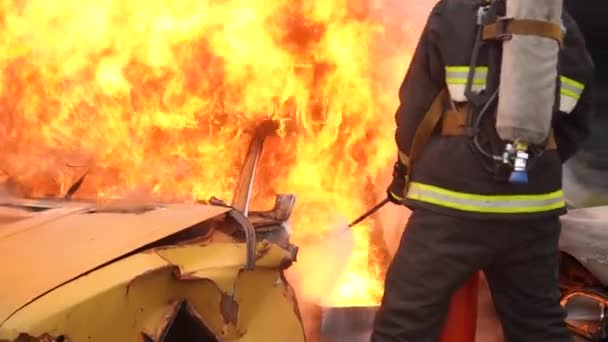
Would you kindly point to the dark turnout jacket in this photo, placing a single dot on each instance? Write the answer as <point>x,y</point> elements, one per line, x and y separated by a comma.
<point>448,175</point>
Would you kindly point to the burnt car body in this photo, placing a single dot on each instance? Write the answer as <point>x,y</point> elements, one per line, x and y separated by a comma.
<point>77,271</point>
<point>584,272</point>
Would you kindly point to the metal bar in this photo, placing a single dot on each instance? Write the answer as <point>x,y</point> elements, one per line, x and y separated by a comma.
<point>244,187</point>
<point>369,213</point>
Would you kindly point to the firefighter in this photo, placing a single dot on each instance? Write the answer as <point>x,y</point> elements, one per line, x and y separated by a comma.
<point>468,213</point>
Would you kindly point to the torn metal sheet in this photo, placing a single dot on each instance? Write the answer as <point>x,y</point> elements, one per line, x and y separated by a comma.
<point>153,295</point>
<point>50,249</point>
<point>584,236</point>
<point>182,323</point>
<point>186,325</point>
<point>229,308</point>
<point>168,313</point>
<point>222,262</point>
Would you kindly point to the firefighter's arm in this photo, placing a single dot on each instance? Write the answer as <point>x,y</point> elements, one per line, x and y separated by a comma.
<point>423,81</point>
<point>572,124</point>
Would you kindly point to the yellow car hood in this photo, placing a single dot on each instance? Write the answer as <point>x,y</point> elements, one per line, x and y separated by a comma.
<point>52,243</point>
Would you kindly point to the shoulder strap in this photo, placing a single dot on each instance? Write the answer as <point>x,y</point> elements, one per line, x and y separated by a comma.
<point>425,128</point>
<point>504,28</point>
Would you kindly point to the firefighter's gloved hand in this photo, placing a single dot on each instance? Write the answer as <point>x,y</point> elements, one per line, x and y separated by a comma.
<point>396,190</point>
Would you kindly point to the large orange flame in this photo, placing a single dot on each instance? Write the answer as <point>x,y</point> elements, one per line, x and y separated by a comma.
<point>159,94</point>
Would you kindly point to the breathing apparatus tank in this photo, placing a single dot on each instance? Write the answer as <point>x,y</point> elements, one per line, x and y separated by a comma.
<point>528,82</point>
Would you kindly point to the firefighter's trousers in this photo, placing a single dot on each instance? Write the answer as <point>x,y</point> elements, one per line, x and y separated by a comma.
<point>438,253</point>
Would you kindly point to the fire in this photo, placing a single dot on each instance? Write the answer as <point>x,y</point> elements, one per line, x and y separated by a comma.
<point>158,96</point>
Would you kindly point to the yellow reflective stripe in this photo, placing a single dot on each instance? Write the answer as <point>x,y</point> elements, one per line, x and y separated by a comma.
<point>476,81</point>
<point>572,82</point>
<point>571,88</point>
<point>500,204</point>
<point>464,195</point>
<point>569,93</point>
<point>465,68</point>
<point>458,75</point>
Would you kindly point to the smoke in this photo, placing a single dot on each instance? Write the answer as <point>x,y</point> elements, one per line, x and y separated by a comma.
<point>321,264</point>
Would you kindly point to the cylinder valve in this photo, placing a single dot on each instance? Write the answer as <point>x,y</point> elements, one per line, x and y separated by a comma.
<point>517,155</point>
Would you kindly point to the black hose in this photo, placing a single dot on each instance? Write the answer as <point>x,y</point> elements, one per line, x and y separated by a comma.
<point>485,108</point>
<point>468,90</point>
<point>480,116</point>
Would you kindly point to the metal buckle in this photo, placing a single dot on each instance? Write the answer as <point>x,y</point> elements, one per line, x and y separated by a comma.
<point>502,24</point>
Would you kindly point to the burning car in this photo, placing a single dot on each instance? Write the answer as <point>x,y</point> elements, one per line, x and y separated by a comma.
<point>78,271</point>
<point>157,97</point>
<point>100,98</point>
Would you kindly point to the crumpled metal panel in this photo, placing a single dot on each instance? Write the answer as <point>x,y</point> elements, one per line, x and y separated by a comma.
<point>584,235</point>
<point>61,244</point>
<point>136,297</point>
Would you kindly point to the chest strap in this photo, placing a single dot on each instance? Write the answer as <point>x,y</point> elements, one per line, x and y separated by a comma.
<point>505,28</point>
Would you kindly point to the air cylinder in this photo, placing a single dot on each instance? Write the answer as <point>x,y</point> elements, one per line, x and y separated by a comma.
<point>528,76</point>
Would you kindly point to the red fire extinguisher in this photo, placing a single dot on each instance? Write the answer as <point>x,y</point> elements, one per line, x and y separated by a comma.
<point>461,321</point>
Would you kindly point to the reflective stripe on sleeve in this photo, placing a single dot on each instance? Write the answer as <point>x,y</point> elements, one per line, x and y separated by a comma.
<point>570,93</point>
<point>456,79</point>
<point>498,204</point>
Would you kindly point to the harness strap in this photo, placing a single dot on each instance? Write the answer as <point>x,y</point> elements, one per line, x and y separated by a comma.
<point>427,125</point>
<point>454,124</point>
<point>424,131</point>
<point>504,28</point>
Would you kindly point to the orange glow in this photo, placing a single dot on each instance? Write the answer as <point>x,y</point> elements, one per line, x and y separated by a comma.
<point>156,97</point>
